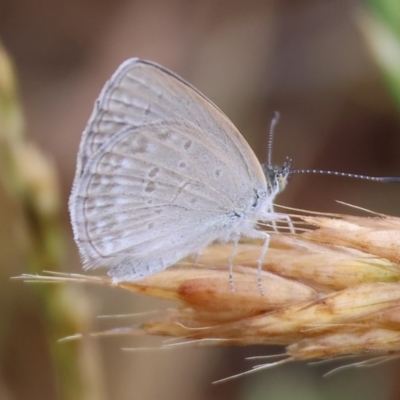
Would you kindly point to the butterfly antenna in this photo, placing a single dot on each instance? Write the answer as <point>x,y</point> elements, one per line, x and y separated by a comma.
<point>392,179</point>
<point>274,121</point>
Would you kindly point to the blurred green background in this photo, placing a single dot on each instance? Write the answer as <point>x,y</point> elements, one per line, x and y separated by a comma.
<point>332,69</point>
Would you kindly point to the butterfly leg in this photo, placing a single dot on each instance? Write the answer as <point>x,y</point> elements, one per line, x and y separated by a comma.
<point>273,223</point>
<point>281,217</point>
<point>197,259</point>
<point>288,221</point>
<point>264,249</point>
<point>256,234</point>
<point>274,227</point>
<point>235,238</point>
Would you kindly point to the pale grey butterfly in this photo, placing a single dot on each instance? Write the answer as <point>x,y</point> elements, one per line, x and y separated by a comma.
<point>162,173</point>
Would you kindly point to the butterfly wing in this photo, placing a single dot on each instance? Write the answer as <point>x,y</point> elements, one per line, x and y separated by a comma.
<point>160,173</point>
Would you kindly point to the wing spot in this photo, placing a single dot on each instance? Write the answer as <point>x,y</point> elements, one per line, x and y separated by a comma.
<point>218,173</point>
<point>153,172</point>
<point>139,146</point>
<point>188,144</point>
<point>150,187</point>
<point>164,135</point>
<point>182,164</point>
<point>147,110</point>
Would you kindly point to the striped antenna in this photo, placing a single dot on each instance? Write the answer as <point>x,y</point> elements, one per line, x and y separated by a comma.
<point>274,121</point>
<point>392,179</point>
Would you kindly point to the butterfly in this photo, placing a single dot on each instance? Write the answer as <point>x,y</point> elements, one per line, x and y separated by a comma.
<point>162,173</point>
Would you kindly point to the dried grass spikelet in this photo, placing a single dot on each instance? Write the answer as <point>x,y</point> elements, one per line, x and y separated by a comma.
<point>329,291</point>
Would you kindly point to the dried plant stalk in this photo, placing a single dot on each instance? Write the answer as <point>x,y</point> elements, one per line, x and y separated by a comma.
<point>329,291</point>
<point>30,183</point>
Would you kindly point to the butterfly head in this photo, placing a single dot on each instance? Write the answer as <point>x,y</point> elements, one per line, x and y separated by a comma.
<point>277,178</point>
